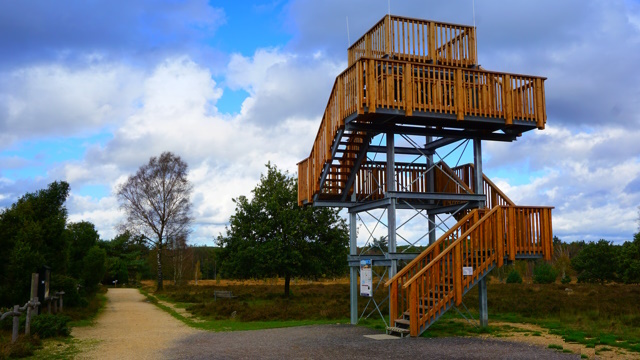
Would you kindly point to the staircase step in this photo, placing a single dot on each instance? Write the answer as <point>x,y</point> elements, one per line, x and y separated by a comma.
<point>400,331</point>
<point>402,322</point>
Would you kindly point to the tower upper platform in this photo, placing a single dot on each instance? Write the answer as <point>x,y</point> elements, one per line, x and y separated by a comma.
<point>413,77</point>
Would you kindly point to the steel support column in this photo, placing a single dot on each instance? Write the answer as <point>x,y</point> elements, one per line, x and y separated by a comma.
<point>353,271</point>
<point>479,189</point>
<point>431,189</point>
<point>391,212</point>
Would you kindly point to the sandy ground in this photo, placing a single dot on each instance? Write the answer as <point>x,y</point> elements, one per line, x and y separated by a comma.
<point>546,338</point>
<point>130,328</point>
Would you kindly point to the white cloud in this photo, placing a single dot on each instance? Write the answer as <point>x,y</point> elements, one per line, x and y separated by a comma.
<point>226,154</point>
<point>45,100</point>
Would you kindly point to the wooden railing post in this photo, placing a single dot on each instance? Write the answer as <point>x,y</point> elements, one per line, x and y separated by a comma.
<point>413,310</point>
<point>472,47</point>
<point>408,89</point>
<point>507,97</point>
<point>500,236</point>
<point>511,238</point>
<point>457,268</point>
<point>459,86</point>
<point>393,300</point>
<point>359,89</point>
<point>388,47</point>
<point>539,104</point>
<point>372,86</point>
<point>432,43</point>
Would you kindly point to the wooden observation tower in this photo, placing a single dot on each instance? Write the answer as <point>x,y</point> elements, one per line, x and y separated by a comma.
<point>412,90</point>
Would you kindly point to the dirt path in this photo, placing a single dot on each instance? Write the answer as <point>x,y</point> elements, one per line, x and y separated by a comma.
<point>130,328</point>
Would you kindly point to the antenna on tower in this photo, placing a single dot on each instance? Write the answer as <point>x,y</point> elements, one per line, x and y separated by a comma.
<point>473,2</point>
<point>348,37</point>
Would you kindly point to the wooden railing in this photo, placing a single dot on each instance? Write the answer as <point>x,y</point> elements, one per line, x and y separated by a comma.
<point>416,40</point>
<point>504,231</point>
<point>369,84</point>
<point>422,260</point>
<point>495,196</point>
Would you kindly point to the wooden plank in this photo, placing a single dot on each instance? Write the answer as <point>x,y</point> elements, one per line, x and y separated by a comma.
<point>459,94</point>
<point>413,310</point>
<point>457,268</point>
<point>507,97</point>
<point>409,92</point>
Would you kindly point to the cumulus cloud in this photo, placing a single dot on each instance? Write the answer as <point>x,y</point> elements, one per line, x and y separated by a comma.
<point>50,100</point>
<point>177,112</point>
<point>282,85</point>
<point>137,75</point>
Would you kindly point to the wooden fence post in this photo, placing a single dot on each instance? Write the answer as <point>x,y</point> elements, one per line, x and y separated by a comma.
<point>16,323</point>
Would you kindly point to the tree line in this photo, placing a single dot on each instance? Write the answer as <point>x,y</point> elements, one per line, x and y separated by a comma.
<point>268,235</point>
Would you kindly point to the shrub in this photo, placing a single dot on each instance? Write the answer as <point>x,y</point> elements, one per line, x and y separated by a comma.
<point>544,273</point>
<point>514,277</point>
<point>596,262</point>
<point>566,279</point>
<point>69,285</point>
<point>47,325</point>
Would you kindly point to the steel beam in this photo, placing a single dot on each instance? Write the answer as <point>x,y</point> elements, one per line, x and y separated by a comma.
<point>399,150</point>
<point>418,130</point>
<point>433,145</point>
<point>434,196</point>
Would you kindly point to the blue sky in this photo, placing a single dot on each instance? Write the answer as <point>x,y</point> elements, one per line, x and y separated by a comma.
<point>90,90</point>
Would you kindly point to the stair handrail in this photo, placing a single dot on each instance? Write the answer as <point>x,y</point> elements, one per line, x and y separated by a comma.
<point>493,233</point>
<point>491,184</point>
<point>430,248</point>
<point>451,246</point>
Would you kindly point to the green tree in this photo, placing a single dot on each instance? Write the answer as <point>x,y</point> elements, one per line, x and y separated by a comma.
<point>629,261</point>
<point>32,235</point>
<point>544,273</point>
<point>270,235</point>
<point>126,258</point>
<point>94,267</point>
<point>81,237</point>
<point>156,200</point>
<point>596,262</point>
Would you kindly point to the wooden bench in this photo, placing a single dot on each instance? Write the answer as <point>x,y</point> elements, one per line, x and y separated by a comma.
<point>222,294</point>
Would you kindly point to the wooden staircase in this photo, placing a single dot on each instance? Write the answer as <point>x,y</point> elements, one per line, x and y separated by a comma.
<point>482,239</point>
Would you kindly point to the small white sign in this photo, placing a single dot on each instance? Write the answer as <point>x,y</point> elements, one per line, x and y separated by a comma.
<point>467,270</point>
<point>366,278</point>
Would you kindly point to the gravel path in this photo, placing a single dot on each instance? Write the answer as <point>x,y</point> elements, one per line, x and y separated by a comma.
<point>347,342</point>
<point>130,328</point>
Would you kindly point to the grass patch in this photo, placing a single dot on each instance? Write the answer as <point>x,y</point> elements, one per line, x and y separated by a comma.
<point>555,346</point>
<point>233,324</point>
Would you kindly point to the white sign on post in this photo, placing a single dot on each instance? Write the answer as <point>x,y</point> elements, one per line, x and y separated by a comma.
<point>467,271</point>
<point>366,278</point>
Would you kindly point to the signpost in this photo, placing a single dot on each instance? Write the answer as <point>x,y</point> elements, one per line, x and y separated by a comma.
<point>366,278</point>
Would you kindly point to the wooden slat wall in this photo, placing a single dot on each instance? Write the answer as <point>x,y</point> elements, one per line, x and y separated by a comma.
<point>418,41</point>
